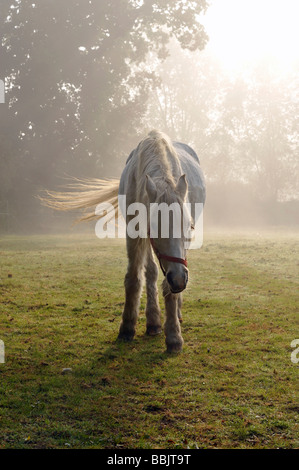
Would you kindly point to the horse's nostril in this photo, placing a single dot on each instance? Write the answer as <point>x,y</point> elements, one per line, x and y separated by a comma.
<point>169,278</point>
<point>177,283</point>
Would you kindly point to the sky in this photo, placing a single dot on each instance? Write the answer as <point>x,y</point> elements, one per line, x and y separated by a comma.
<point>242,31</point>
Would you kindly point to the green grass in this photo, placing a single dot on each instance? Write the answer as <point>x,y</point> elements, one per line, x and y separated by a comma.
<point>233,386</point>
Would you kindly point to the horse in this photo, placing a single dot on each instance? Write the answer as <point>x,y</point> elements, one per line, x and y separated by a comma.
<point>157,171</point>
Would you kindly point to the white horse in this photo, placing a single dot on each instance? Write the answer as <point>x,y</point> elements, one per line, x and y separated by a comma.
<point>157,171</point>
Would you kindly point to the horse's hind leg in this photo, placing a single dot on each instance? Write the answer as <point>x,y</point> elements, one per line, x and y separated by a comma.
<point>152,312</point>
<point>133,288</point>
<point>172,328</point>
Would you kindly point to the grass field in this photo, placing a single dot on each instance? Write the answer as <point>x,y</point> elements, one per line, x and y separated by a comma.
<point>233,386</point>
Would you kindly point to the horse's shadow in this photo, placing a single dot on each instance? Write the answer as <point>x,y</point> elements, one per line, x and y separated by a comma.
<point>131,358</point>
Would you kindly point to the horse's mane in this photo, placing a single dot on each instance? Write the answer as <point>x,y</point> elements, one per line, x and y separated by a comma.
<point>156,156</point>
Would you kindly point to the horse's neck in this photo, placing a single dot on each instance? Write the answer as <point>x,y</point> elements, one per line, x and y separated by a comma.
<point>163,167</point>
<point>168,167</point>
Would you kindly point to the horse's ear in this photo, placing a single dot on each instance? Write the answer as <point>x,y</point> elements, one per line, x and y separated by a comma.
<point>151,189</point>
<point>182,186</point>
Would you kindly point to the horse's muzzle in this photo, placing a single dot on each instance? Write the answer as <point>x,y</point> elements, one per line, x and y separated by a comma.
<point>177,282</point>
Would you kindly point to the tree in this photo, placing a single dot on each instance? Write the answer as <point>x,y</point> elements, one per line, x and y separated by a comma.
<point>76,80</point>
<point>244,128</point>
<point>258,115</point>
<point>186,95</point>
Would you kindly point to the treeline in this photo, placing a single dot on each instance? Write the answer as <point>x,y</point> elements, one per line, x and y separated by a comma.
<point>245,129</point>
<point>86,80</point>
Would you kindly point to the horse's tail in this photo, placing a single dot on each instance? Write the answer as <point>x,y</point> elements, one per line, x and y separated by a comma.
<point>86,193</point>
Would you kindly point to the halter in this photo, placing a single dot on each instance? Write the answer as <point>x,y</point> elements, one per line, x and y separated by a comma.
<point>160,256</point>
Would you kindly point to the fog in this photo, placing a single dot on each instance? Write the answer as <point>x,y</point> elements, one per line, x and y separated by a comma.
<point>84,82</point>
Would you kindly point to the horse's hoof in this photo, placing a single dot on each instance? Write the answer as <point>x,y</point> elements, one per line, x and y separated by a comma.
<point>153,330</point>
<point>126,335</point>
<point>123,337</point>
<point>174,348</point>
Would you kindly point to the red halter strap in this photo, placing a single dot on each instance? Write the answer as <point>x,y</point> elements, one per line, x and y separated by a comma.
<point>168,258</point>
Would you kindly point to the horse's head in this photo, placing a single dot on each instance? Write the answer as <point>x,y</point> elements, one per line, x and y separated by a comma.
<point>169,226</point>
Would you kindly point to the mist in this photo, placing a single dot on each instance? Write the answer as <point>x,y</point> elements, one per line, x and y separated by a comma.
<point>83,85</point>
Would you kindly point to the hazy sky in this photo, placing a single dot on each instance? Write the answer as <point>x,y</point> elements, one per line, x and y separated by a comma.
<point>244,30</point>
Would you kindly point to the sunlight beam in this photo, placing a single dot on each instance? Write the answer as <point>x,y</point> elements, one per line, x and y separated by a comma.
<point>242,31</point>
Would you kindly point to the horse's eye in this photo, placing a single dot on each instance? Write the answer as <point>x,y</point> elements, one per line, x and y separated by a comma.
<point>192,227</point>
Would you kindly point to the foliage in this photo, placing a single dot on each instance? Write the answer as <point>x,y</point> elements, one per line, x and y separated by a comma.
<point>74,89</point>
<point>244,128</point>
<point>86,81</point>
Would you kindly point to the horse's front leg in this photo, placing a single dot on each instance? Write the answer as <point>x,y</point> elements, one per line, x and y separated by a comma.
<point>172,328</point>
<point>133,289</point>
<point>180,303</point>
<point>152,311</point>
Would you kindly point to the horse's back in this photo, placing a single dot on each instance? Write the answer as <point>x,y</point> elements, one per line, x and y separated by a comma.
<point>186,149</point>
<point>180,147</point>
<point>190,166</point>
